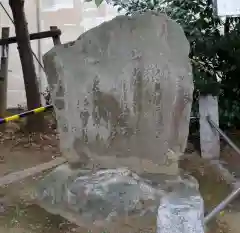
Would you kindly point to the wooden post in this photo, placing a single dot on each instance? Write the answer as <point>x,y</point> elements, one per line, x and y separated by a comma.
<point>35,122</point>
<point>209,137</point>
<point>32,36</point>
<point>4,73</point>
<point>56,39</point>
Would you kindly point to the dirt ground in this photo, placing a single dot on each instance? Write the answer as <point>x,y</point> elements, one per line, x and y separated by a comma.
<point>19,215</point>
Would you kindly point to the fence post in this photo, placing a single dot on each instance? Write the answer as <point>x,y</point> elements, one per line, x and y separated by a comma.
<point>209,137</point>
<point>56,39</point>
<point>4,73</point>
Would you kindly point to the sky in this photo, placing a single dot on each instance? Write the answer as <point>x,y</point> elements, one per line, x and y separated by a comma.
<point>228,7</point>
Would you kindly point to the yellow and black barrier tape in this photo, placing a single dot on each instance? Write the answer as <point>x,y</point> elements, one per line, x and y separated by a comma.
<point>25,114</point>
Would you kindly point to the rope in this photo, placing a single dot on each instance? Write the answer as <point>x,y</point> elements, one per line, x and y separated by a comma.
<point>24,114</point>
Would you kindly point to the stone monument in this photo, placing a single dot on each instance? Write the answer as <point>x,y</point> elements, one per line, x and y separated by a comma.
<point>122,93</point>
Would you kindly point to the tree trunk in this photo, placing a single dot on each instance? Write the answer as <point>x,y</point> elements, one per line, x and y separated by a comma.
<point>227,26</point>
<point>29,74</point>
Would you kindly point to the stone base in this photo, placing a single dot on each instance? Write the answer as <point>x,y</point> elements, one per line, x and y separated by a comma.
<point>138,165</point>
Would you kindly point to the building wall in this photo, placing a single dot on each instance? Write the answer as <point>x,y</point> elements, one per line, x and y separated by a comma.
<point>73,20</point>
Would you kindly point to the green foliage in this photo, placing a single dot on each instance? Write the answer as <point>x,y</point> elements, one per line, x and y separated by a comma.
<point>132,6</point>
<point>98,2</point>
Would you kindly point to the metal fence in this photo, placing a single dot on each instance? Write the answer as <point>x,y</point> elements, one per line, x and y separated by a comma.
<point>236,192</point>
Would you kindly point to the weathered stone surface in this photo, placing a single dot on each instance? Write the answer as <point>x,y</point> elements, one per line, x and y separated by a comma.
<point>99,198</point>
<point>125,91</point>
<point>112,198</point>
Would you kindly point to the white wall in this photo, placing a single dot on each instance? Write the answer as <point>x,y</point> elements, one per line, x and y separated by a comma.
<point>77,17</point>
<point>228,7</point>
